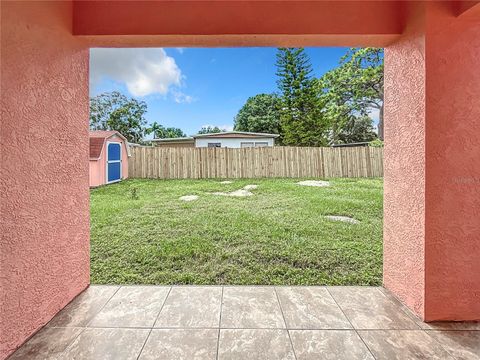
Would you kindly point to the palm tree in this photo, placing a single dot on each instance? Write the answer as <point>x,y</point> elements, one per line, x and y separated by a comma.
<point>157,130</point>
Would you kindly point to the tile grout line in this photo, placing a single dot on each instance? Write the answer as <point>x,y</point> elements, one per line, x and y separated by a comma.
<point>250,328</point>
<point>103,307</point>
<point>154,322</point>
<point>73,340</point>
<point>161,308</point>
<point>353,327</point>
<point>86,325</point>
<point>219,324</point>
<point>156,318</point>
<point>441,345</point>
<point>402,307</point>
<point>285,321</point>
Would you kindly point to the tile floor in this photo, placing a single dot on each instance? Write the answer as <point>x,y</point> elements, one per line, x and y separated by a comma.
<point>246,323</point>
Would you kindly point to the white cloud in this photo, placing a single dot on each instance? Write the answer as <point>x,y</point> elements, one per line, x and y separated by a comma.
<point>180,50</point>
<point>181,98</point>
<point>223,127</point>
<point>144,71</point>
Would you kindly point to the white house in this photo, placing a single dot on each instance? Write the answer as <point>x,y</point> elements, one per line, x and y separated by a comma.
<point>230,139</point>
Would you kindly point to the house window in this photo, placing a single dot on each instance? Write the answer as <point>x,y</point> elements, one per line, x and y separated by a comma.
<point>214,144</point>
<point>261,144</point>
<point>246,144</point>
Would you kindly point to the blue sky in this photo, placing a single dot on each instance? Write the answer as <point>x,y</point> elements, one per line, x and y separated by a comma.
<point>193,87</point>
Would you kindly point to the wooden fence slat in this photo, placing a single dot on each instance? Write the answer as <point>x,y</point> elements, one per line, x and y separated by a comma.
<point>268,162</point>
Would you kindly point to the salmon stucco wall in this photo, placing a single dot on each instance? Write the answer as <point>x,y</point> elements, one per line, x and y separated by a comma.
<point>404,167</point>
<point>97,168</point>
<point>452,218</point>
<point>432,169</point>
<point>44,249</point>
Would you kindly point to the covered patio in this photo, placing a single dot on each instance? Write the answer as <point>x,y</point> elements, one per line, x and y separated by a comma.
<point>245,322</point>
<point>431,185</point>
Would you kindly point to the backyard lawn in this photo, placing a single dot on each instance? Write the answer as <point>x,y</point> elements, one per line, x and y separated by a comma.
<point>141,233</point>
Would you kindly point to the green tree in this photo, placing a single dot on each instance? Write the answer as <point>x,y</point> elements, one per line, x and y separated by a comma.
<point>210,130</point>
<point>261,113</point>
<point>161,132</point>
<point>357,129</point>
<point>114,111</point>
<point>354,88</point>
<point>301,120</point>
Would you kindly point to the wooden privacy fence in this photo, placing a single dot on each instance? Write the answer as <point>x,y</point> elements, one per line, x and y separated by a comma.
<point>279,161</point>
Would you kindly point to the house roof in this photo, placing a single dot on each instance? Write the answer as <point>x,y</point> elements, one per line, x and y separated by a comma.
<point>225,134</point>
<point>179,139</point>
<point>236,134</point>
<point>97,140</point>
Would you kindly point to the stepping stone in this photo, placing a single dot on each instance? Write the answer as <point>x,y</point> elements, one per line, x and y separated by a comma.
<point>226,182</point>
<point>188,198</point>
<point>236,193</point>
<point>343,219</point>
<point>317,183</point>
<point>240,193</point>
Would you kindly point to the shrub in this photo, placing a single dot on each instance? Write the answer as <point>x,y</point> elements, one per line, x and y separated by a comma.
<point>376,143</point>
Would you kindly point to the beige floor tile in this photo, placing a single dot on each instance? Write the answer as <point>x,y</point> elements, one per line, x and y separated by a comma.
<point>310,308</point>
<point>101,322</point>
<point>329,345</point>
<point>181,344</point>
<point>251,307</point>
<point>84,307</point>
<point>370,308</point>
<point>403,344</point>
<point>464,345</point>
<point>107,344</point>
<point>191,306</point>
<point>254,344</point>
<point>48,343</point>
<point>132,306</point>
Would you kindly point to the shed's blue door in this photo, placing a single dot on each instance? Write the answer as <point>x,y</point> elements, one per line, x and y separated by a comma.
<point>114,162</point>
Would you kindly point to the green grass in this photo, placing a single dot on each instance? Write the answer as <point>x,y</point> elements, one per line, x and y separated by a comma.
<point>277,236</point>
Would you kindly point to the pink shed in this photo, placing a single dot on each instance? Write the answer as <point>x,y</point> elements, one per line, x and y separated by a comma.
<point>108,157</point>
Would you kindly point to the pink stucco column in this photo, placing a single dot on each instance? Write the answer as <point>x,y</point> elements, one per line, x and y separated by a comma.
<point>44,248</point>
<point>432,169</point>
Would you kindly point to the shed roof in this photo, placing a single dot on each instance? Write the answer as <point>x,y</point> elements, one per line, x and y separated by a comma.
<point>104,133</point>
<point>96,146</point>
<point>97,140</point>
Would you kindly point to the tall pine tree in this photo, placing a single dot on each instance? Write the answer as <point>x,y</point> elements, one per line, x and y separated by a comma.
<point>301,119</point>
